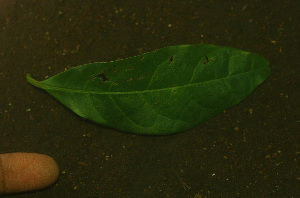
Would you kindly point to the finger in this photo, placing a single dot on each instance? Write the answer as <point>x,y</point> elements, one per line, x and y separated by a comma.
<point>21,172</point>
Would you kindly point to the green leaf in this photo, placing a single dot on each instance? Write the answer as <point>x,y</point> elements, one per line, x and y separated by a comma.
<point>162,92</point>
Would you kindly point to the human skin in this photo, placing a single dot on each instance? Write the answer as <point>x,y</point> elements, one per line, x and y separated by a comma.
<point>21,172</point>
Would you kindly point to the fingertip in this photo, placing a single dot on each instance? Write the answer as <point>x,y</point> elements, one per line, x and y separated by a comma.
<point>26,171</point>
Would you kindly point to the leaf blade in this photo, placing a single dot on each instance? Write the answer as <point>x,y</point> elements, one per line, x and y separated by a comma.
<point>166,91</point>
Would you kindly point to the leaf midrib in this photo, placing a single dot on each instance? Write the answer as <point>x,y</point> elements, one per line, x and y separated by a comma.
<point>41,85</point>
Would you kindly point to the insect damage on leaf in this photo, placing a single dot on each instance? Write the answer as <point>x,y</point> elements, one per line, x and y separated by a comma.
<point>207,60</point>
<point>171,59</point>
<point>102,76</point>
<point>155,95</point>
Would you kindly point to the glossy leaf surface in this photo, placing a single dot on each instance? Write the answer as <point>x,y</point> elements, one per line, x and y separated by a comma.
<point>166,91</point>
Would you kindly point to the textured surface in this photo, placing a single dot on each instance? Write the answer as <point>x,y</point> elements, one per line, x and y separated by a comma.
<point>250,150</point>
<point>162,92</point>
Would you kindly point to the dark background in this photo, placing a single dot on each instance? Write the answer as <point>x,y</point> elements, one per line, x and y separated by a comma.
<point>250,150</point>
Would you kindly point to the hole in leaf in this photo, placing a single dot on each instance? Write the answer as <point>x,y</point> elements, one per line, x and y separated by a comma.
<point>207,60</point>
<point>171,59</point>
<point>102,76</point>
